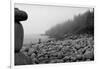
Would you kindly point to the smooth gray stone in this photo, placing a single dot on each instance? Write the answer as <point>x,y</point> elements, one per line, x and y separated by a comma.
<point>21,59</point>
<point>19,35</point>
<point>20,15</point>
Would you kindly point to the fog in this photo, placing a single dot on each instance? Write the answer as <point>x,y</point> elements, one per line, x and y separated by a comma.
<point>42,18</point>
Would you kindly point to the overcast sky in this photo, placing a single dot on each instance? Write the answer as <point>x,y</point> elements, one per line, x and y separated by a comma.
<point>42,18</point>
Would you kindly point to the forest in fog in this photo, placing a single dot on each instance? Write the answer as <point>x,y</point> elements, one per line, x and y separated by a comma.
<point>80,24</point>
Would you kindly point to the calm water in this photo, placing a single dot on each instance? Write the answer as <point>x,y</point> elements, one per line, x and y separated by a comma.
<point>29,39</point>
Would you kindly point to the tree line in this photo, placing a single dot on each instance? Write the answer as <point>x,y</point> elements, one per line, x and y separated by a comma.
<point>80,24</point>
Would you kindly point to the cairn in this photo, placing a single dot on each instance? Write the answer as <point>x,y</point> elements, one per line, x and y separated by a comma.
<point>20,58</point>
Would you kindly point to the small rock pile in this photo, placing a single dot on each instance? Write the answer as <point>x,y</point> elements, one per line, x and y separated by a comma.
<point>61,51</point>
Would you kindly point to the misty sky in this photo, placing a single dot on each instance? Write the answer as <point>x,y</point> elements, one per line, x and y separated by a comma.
<point>42,18</point>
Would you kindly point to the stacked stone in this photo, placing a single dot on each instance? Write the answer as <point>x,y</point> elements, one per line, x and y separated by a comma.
<point>20,59</point>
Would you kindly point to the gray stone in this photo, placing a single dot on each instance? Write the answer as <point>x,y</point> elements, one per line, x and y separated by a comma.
<point>20,15</point>
<point>20,59</point>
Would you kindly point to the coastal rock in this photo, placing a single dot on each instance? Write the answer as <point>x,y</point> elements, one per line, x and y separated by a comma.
<point>20,15</point>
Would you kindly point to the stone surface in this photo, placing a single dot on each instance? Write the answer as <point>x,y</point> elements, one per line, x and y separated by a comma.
<point>21,59</point>
<point>19,34</point>
<point>20,15</point>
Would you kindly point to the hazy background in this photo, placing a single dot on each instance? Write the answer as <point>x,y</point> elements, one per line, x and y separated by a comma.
<point>41,18</point>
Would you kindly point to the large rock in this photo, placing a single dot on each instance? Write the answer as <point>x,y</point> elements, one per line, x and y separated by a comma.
<point>21,59</point>
<point>19,34</point>
<point>20,15</point>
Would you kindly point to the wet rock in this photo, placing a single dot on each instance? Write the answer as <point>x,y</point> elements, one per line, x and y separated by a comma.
<point>33,55</point>
<point>31,50</point>
<point>19,34</point>
<point>89,55</point>
<point>20,15</point>
<point>21,59</point>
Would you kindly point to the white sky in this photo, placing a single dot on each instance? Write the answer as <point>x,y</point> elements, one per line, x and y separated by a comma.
<point>42,18</point>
